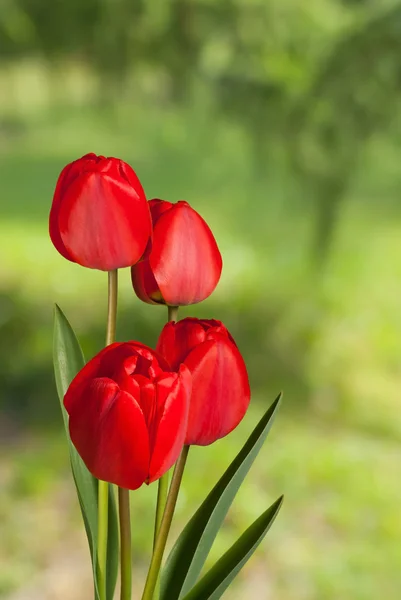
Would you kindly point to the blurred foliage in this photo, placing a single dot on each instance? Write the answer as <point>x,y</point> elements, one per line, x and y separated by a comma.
<point>279,120</point>
<point>310,80</point>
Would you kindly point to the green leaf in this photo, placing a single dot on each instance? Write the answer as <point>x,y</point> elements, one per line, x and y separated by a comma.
<point>191,549</point>
<point>67,357</point>
<point>68,360</point>
<point>213,585</point>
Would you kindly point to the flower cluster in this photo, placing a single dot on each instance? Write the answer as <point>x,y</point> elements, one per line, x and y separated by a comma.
<point>131,408</point>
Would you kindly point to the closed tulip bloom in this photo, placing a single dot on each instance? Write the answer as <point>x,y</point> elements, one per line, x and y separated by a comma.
<point>100,217</point>
<point>128,414</point>
<point>184,265</point>
<point>220,386</point>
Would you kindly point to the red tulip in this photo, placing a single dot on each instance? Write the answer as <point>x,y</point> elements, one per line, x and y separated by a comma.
<point>128,414</point>
<point>220,386</point>
<point>184,265</point>
<point>99,217</point>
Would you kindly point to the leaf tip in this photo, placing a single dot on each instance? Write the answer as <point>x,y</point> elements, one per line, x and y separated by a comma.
<point>276,506</point>
<point>277,402</point>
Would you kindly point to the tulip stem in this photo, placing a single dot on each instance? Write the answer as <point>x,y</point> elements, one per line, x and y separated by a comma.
<point>103,509</point>
<point>165,525</point>
<point>172,313</point>
<point>112,307</point>
<point>162,492</point>
<point>161,503</point>
<point>103,490</point>
<point>125,543</point>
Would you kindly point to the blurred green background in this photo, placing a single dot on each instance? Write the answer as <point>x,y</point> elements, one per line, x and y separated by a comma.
<point>280,122</point>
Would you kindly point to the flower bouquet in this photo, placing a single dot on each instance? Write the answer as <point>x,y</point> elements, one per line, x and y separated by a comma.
<point>132,413</point>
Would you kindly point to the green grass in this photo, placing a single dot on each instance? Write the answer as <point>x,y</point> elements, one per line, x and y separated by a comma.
<point>330,337</point>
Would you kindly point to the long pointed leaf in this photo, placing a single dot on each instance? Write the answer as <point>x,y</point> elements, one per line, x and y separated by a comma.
<point>191,549</point>
<point>68,360</point>
<point>213,585</point>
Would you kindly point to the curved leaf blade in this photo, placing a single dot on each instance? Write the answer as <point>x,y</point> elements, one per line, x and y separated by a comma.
<point>68,359</point>
<point>213,585</point>
<point>192,547</point>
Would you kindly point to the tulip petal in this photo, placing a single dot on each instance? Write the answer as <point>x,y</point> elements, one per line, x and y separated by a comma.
<point>108,429</point>
<point>185,259</point>
<point>178,339</point>
<point>104,222</point>
<point>221,392</point>
<point>157,208</point>
<point>143,280</point>
<point>156,364</point>
<point>92,369</point>
<point>145,284</point>
<point>55,209</point>
<point>117,361</point>
<point>147,402</point>
<point>211,325</point>
<point>129,174</point>
<point>172,398</point>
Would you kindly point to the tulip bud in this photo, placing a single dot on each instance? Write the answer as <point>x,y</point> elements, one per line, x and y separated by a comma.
<point>184,265</point>
<point>220,386</point>
<point>128,414</point>
<point>99,217</point>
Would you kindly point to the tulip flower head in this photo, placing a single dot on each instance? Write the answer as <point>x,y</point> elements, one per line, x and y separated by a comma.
<point>220,386</point>
<point>99,217</point>
<point>184,265</point>
<point>128,414</point>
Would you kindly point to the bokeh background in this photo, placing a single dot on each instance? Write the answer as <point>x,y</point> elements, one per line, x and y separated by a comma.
<point>280,122</point>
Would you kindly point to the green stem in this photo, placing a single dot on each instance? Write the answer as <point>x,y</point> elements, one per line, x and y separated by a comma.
<point>103,490</point>
<point>125,543</point>
<point>103,510</point>
<point>162,492</point>
<point>172,313</point>
<point>123,494</point>
<point>161,503</point>
<point>112,307</point>
<point>165,525</point>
